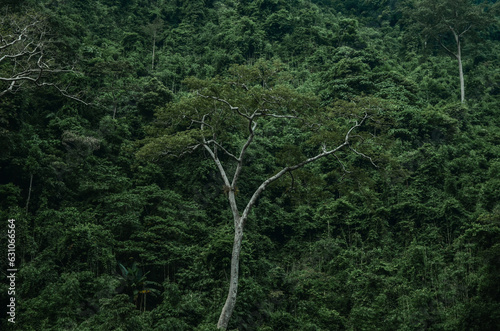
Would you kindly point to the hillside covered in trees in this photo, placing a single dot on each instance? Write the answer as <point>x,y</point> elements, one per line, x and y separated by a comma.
<point>351,147</point>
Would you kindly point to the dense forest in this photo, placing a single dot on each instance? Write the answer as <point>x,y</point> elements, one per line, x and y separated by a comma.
<point>364,137</point>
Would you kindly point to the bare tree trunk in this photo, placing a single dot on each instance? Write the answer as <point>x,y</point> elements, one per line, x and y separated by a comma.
<point>228,308</point>
<point>153,57</point>
<point>29,193</point>
<point>458,56</point>
<point>239,222</point>
<point>114,103</point>
<point>461,72</point>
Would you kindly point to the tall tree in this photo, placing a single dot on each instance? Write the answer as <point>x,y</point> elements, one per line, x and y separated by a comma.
<point>153,29</point>
<point>224,118</point>
<point>448,22</point>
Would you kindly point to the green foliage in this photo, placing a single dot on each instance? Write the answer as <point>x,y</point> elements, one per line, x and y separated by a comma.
<point>219,108</point>
<point>136,284</point>
<point>435,20</point>
<point>116,313</point>
<point>411,244</point>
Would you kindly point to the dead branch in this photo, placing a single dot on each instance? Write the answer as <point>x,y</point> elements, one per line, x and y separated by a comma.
<point>24,52</point>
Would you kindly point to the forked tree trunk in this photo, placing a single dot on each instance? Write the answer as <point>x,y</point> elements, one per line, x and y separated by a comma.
<point>239,223</point>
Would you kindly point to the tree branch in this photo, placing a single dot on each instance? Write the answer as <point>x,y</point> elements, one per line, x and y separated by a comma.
<point>251,127</point>
<point>212,141</point>
<point>324,153</point>
<point>24,53</point>
<point>446,48</point>
<point>264,114</point>
<point>224,101</point>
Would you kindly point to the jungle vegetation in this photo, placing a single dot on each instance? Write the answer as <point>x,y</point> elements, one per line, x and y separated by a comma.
<point>251,165</point>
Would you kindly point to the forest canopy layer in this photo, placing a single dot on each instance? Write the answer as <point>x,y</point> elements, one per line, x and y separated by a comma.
<point>356,142</point>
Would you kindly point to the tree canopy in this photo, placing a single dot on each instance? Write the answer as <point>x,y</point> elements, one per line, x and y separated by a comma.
<point>319,151</point>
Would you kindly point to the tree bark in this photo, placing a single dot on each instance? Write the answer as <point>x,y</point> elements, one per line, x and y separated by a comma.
<point>29,193</point>
<point>153,56</point>
<point>458,56</point>
<point>461,72</point>
<point>228,308</point>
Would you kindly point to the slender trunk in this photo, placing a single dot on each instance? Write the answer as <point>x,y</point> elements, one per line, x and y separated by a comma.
<point>461,72</point>
<point>228,308</point>
<point>458,56</point>
<point>153,57</point>
<point>459,59</point>
<point>239,222</point>
<point>29,193</point>
<point>115,106</point>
